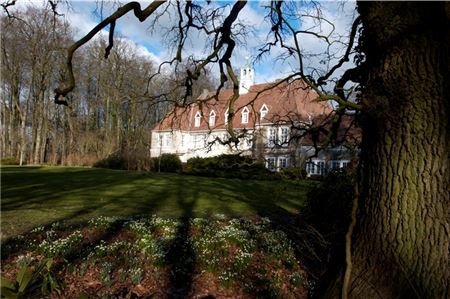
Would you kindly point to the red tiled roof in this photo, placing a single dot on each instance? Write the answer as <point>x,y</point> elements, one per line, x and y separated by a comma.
<point>285,102</point>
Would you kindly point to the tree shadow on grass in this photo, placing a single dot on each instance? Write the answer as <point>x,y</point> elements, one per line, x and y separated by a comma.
<point>78,218</point>
<point>181,257</point>
<point>175,192</point>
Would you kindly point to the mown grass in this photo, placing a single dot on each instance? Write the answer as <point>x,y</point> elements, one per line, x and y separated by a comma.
<point>36,196</point>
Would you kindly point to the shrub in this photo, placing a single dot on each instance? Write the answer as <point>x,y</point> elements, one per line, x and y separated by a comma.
<point>113,161</point>
<point>329,203</point>
<point>9,161</point>
<point>293,173</point>
<point>166,163</point>
<point>327,216</point>
<point>137,159</point>
<point>228,166</point>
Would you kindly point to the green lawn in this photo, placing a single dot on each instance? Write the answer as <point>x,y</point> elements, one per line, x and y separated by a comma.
<point>34,196</point>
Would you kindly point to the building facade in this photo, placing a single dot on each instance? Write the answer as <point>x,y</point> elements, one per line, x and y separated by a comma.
<point>266,118</point>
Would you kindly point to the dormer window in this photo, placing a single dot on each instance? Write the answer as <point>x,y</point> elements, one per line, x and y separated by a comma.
<point>245,116</point>
<point>212,118</point>
<point>263,111</point>
<point>198,118</point>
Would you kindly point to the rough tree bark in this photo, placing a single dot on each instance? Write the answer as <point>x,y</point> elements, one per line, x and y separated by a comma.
<point>401,247</point>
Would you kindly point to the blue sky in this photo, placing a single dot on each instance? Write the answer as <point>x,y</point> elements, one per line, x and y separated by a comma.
<point>152,44</point>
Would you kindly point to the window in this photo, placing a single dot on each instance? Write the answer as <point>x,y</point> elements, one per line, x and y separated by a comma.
<point>197,119</point>
<point>249,141</point>
<point>212,118</point>
<point>198,141</point>
<point>245,116</point>
<point>168,138</point>
<point>272,136</point>
<point>224,137</point>
<point>282,162</point>
<point>335,164</point>
<point>226,116</point>
<point>284,136</point>
<point>316,167</point>
<point>271,164</point>
<point>159,139</point>
<point>310,168</point>
<point>321,167</point>
<point>263,111</point>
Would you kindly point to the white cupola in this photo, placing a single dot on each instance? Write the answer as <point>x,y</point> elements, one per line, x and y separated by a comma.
<point>247,78</point>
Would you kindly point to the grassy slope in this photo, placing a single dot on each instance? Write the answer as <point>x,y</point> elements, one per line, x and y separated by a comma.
<point>33,196</point>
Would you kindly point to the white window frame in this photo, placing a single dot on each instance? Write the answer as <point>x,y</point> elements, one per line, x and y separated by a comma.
<point>263,111</point>
<point>199,140</point>
<point>339,164</point>
<point>249,141</point>
<point>183,139</point>
<point>212,118</point>
<point>160,140</point>
<point>316,167</point>
<point>224,137</point>
<point>284,138</point>
<point>244,115</point>
<point>168,140</point>
<point>198,118</point>
<point>271,163</point>
<point>310,168</point>
<point>272,136</point>
<point>280,159</point>
<point>345,163</point>
<point>335,164</point>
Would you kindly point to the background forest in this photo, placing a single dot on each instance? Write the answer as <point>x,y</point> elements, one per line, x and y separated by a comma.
<point>111,111</point>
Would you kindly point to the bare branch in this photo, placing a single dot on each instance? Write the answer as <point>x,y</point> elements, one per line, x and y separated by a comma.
<point>345,58</point>
<point>110,39</point>
<point>142,15</point>
<point>7,4</point>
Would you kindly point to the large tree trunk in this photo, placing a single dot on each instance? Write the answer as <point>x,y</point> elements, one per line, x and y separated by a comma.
<point>401,245</point>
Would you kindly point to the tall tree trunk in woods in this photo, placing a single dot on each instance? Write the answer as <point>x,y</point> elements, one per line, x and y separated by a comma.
<point>402,237</point>
<point>23,139</point>
<point>39,117</point>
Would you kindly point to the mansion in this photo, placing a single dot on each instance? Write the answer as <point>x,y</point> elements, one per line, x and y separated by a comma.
<point>266,119</point>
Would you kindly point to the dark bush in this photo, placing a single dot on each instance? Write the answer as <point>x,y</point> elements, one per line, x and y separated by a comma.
<point>113,161</point>
<point>293,173</point>
<point>329,203</point>
<point>9,161</point>
<point>137,159</point>
<point>327,214</point>
<point>229,166</point>
<point>166,163</point>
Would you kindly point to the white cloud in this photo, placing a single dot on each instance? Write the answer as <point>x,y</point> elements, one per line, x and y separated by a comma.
<point>153,44</point>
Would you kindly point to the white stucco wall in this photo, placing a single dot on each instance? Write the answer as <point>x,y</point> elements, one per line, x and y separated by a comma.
<point>192,144</point>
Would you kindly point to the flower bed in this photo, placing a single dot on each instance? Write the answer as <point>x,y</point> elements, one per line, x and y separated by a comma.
<point>164,258</point>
